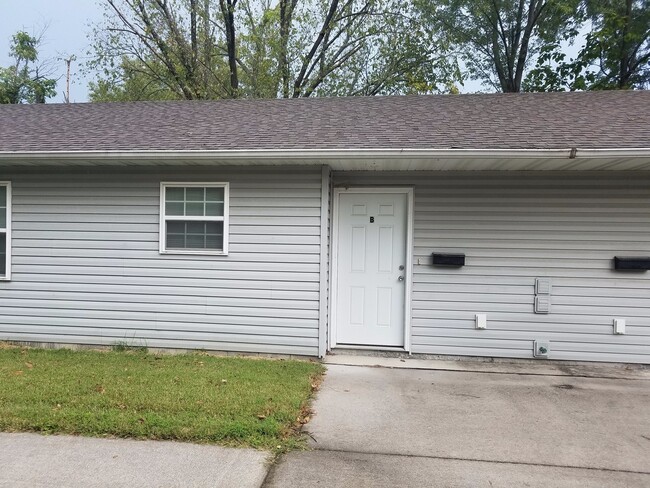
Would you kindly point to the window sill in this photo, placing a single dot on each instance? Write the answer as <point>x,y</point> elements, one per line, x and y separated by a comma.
<point>196,253</point>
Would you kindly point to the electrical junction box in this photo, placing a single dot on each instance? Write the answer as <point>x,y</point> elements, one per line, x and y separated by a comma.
<point>541,349</point>
<point>481,321</point>
<point>542,295</point>
<point>542,286</point>
<point>619,326</point>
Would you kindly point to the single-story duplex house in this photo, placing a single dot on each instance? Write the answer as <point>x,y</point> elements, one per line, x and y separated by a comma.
<point>500,225</point>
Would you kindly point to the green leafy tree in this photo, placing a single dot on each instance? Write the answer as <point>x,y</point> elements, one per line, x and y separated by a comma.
<point>554,72</point>
<point>167,46</point>
<point>615,55</point>
<point>206,49</point>
<point>499,39</point>
<point>400,54</point>
<point>24,81</point>
<point>619,43</point>
<point>132,81</point>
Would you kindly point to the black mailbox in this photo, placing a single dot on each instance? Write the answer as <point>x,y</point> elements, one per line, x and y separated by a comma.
<point>630,263</point>
<point>451,260</point>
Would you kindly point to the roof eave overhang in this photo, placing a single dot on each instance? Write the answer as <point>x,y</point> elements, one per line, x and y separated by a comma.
<point>307,154</point>
<point>339,158</point>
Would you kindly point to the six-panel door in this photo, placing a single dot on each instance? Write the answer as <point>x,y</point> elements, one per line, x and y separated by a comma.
<point>371,274</point>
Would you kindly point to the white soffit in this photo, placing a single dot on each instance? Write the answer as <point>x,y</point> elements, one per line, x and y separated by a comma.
<point>354,159</point>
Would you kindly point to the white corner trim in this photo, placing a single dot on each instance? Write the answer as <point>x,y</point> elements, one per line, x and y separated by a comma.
<point>324,271</point>
<point>408,302</point>
<point>8,240</point>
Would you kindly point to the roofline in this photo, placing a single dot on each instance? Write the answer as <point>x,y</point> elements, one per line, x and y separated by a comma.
<point>320,154</point>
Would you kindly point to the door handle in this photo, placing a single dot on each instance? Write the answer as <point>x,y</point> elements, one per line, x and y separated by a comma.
<point>400,278</point>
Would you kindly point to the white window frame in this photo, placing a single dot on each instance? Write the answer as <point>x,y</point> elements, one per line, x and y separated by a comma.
<point>200,218</point>
<point>7,231</point>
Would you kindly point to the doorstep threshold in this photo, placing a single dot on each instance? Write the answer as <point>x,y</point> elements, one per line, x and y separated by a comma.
<point>369,348</point>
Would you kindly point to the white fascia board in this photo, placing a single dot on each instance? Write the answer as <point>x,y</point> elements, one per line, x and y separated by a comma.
<point>613,153</point>
<point>309,155</point>
<point>300,154</point>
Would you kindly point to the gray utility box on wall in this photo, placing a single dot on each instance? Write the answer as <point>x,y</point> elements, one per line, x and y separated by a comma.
<point>541,349</point>
<point>542,304</point>
<point>543,295</point>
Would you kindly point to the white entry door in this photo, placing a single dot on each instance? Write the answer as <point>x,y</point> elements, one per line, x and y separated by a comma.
<point>371,268</point>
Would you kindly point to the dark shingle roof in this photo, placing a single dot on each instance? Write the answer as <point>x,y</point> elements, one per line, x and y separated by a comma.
<point>590,120</point>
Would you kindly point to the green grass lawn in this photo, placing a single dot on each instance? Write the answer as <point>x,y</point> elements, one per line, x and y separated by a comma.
<point>189,397</point>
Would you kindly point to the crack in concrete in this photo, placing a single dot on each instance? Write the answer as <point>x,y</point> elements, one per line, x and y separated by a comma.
<point>476,460</point>
<point>515,373</point>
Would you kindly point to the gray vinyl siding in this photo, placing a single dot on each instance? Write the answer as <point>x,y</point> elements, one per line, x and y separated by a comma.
<point>87,267</point>
<point>514,227</point>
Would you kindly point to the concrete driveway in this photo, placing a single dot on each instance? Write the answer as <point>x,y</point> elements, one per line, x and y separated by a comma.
<point>385,427</point>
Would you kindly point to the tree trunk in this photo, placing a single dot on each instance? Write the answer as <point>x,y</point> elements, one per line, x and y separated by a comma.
<point>298,84</point>
<point>286,16</point>
<point>624,54</point>
<point>534,10</point>
<point>194,55</point>
<point>207,46</point>
<point>228,12</point>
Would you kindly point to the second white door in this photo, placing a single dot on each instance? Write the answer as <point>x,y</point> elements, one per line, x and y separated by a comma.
<point>371,268</point>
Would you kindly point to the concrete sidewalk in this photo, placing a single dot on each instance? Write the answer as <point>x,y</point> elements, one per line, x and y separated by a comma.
<point>403,427</point>
<point>36,461</point>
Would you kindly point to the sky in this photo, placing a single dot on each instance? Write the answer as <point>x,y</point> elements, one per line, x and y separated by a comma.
<point>66,24</point>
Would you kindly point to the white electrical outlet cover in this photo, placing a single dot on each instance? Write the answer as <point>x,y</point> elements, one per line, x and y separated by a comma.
<point>619,326</point>
<point>481,321</point>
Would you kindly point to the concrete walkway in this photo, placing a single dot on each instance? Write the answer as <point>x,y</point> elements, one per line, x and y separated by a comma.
<point>457,425</point>
<point>379,427</point>
<point>35,461</point>
<point>522,367</point>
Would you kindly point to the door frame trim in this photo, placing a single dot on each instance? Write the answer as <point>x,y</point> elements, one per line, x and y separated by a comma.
<point>408,277</point>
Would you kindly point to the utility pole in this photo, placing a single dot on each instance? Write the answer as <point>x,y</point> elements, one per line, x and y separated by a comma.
<point>68,62</point>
